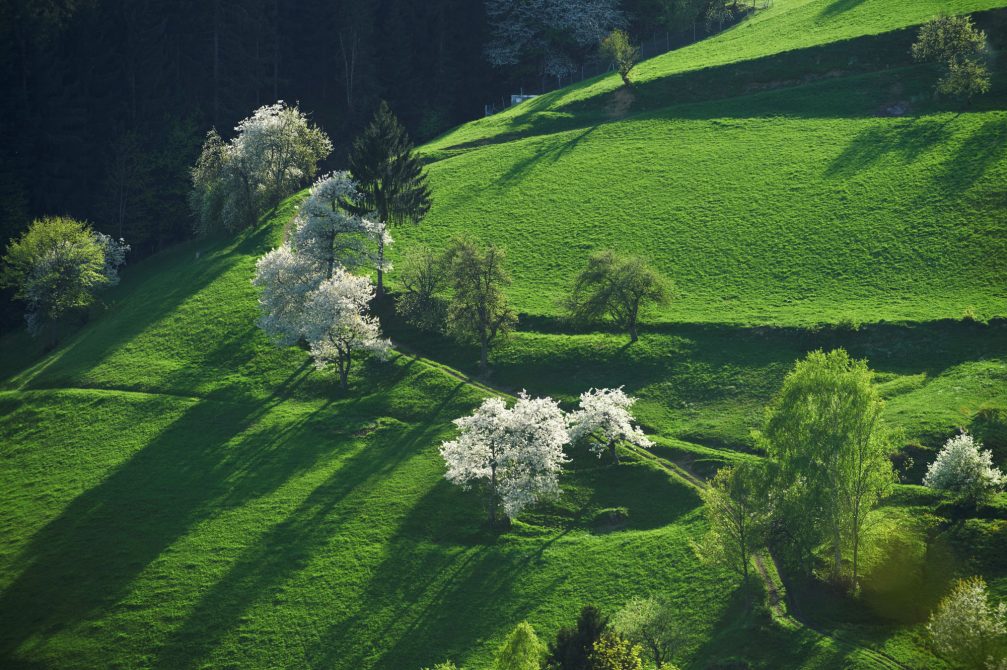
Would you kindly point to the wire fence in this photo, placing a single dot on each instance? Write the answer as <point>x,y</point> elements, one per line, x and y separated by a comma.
<point>658,43</point>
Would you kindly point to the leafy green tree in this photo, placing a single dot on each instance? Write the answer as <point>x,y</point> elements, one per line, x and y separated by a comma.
<point>736,513</point>
<point>423,278</point>
<point>522,650</point>
<point>478,311</point>
<point>618,287</point>
<point>57,266</point>
<point>572,647</point>
<point>959,49</point>
<point>617,47</point>
<point>651,623</point>
<point>825,433</point>
<point>390,177</point>
<point>612,652</point>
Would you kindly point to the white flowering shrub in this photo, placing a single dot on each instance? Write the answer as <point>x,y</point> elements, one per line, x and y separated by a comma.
<point>115,256</point>
<point>967,628</point>
<point>604,419</point>
<point>964,469</point>
<point>516,452</point>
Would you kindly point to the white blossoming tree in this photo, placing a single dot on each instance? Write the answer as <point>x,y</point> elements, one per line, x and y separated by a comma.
<point>604,419</point>
<point>966,627</point>
<point>965,470</point>
<point>329,234</point>
<point>287,280</point>
<point>338,326</point>
<point>276,150</point>
<point>281,149</point>
<point>515,453</point>
<point>309,295</point>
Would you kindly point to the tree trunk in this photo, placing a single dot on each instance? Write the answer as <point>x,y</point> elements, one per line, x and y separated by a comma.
<point>615,452</point>
<point>493,497</point>
<point>344,370</point>
<point>633,335</point>
<point>380,291</point>
<point>483,356</point>
<point>856,556</point>
<point>837,550</point>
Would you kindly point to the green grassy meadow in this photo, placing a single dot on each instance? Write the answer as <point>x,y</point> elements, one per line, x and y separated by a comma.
<point>180,493</point>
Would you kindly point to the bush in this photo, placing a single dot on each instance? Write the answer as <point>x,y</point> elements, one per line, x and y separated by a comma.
<point>965,470</point>
<point>966,627</point>
<point>610,517</point>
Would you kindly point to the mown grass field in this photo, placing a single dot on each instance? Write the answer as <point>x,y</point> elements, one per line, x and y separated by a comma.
<point>179,493</point>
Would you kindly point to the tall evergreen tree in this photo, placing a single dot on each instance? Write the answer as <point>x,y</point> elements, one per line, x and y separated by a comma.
<point>392,184</point>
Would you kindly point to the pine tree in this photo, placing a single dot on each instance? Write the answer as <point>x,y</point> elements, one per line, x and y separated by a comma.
<point>392,184</point>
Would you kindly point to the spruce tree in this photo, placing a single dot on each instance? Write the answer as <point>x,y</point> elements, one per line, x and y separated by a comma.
<point>390,177</point>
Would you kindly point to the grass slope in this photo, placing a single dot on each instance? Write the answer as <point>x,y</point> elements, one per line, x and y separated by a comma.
<point>180,493</point>
<point>788,25</point>
<point>759,219</point>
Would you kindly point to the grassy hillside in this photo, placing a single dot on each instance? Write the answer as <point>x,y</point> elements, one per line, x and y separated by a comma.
<point>180,493</point>
<point>787,25</point>
<point>759,219</point>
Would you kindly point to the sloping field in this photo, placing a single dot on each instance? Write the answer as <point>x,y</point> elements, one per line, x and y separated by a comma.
<point>179,493</point>
<point>787,25</point>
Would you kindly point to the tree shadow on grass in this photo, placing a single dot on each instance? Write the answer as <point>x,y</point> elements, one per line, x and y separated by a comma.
<point>215,454</point>
<point>288,547</point>
<point>444,582</point>
<point>905,140</point>
<point>145,298</point>
<point>982,149</point>
<point>838,7</point>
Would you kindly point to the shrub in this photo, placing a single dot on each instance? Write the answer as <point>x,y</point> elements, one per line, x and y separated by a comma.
<point>965,470</point>
<point>966,627</point>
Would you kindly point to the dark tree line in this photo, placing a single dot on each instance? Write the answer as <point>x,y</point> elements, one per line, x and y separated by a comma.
<point>104,103</point>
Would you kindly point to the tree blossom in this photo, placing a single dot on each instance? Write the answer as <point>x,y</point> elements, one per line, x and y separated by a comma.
<point>604,415</point>
<point>966,626</point>
<point>280,149</point>
<point>274,152</point>
<point>325,230</point>
<point>338,326</point>
<point>115,256</point>
<point>554,32</point>
<point>517,453</point>
<point>964,469</point>
<point>287,280</point>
